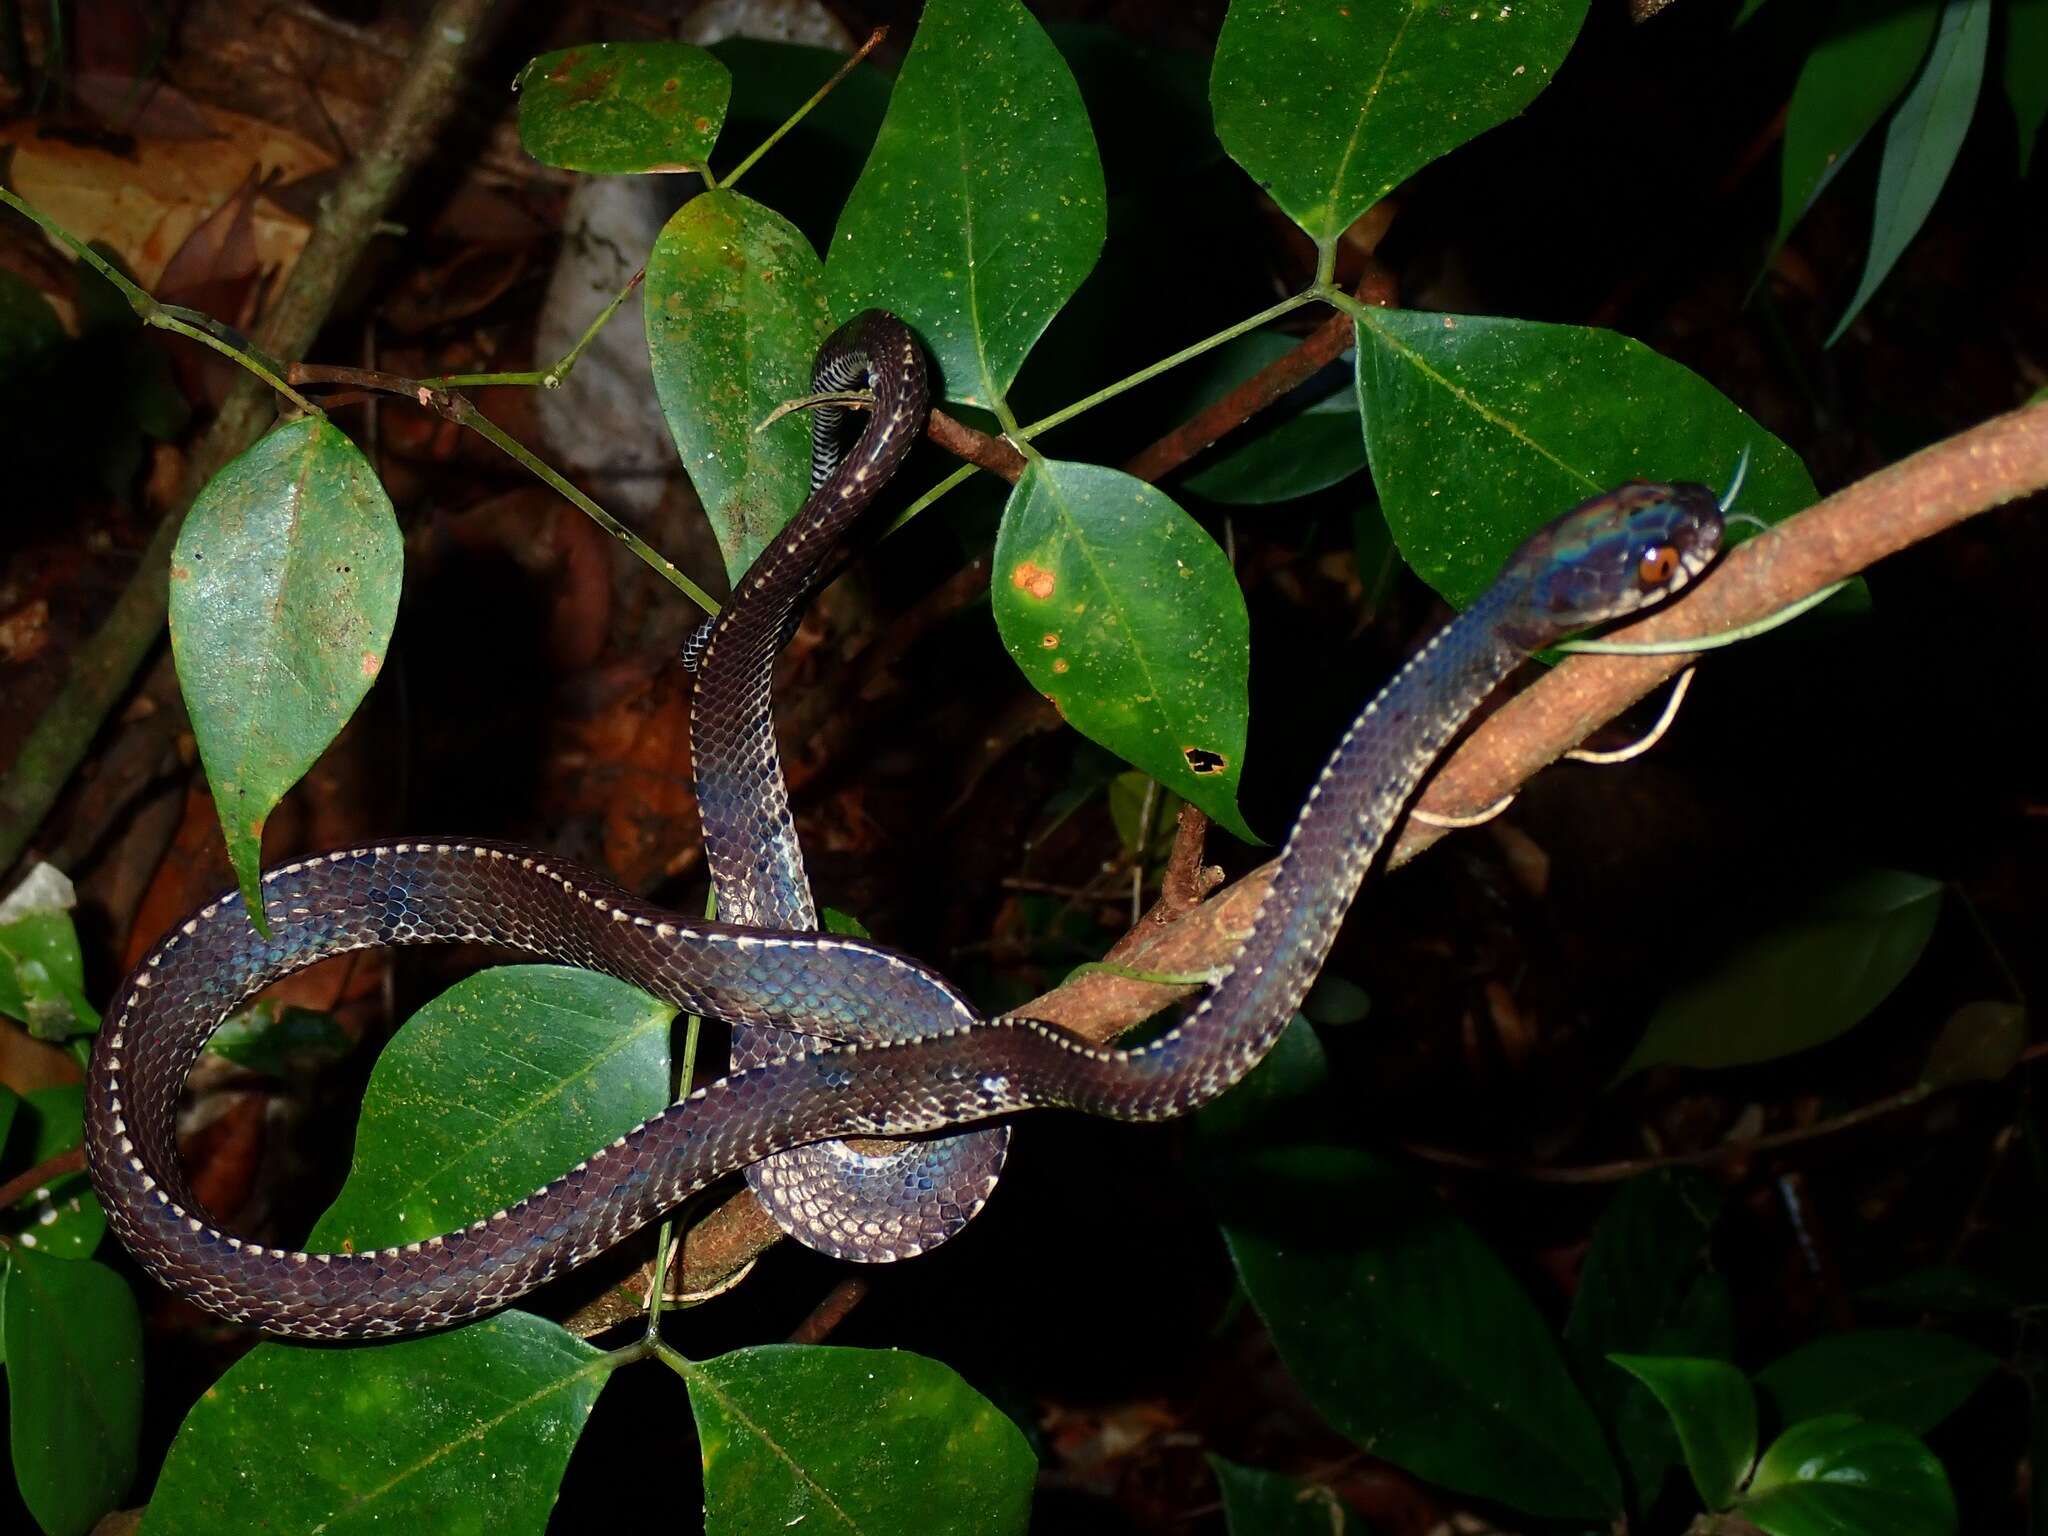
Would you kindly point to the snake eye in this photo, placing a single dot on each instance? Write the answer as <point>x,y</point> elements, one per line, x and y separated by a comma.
<point>1659,564</point>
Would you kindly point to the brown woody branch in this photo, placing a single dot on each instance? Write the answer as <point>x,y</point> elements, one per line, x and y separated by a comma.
<point>1988,466</point>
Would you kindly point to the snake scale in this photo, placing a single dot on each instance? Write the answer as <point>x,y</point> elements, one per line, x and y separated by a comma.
<point>915,1056</point>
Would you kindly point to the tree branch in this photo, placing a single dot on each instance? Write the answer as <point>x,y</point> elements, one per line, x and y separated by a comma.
<point>2001,461</point>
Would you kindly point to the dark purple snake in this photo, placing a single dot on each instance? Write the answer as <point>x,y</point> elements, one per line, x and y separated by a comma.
<point>943,1066</point>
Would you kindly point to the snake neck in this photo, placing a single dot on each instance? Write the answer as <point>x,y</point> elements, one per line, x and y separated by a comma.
<point>750,842</point>
<point>1352,808</point>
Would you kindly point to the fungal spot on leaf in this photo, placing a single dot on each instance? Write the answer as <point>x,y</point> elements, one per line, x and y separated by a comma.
<point>1051,642</point>
<point>1203,761</point>
<point>371,662</point>
<point>1060,665</point>
<point>1032,579</point>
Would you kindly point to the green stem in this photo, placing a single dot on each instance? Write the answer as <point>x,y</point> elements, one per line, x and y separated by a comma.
<point>669,1356</point>
<point>545,378</point>
<point>465,411</point>
<point>1714,642</point>
<point>1353,306</point>
<point>1021,436</point>
<point>1147,374</point>
<point>1129,973</point>
<point>945,487</point>
<point>665,1240</point>
<point>189,323</point>
<point>801,112</point>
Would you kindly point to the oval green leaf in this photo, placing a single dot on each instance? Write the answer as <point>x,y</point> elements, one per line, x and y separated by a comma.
<point>1408,1335</point>
<point>1714,1412</point>
<point>982,207</point>
<point>1122,611</point>
<point>1648,1287</point>
<point>462,1431</point>
<point>1845,1476</point>
<point>72,1340</point>
<point>1852,75</point>
<point>1307,444</point>
<point>1911,1377</point>
<point>1807,981</point>
<point>1257,1503</point>
<point>617,109</point>
<point>854,1440</point>
<point>500,1084</point>
<point>1331,104</point>
<point>284,586</point>
<point>1921,145</point>
<point>1481,430</point>
<point>735,314</point>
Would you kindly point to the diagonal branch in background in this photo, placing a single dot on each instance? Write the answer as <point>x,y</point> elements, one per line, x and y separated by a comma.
<point>449,39</point>
<point>1988,466</point>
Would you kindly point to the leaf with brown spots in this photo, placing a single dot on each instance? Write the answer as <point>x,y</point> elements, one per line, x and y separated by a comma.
<point>1123,612</point>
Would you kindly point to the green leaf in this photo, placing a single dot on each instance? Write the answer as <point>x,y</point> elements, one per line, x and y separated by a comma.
<point>1852,75</point>
<point>1481,430</point>
<point>1981,1043</point>
<point>1843,1476</point>
<point>284,586</point>
<point>461,1431</point>
<point>1257,1503</point>
<point>1810,979</point>
<point>620,108</point>
<point>735,315</point>
<point>853,1440</point>
<point>63,1219</point>
<point>832,920</point>
<point>2026,71</point>
<point>1714,1411</point>
<point>1292,450</point>
<point>72,1340</point>
<point>1408,1335</point>
<point>1122,611</point>
<point>1648,1288</point>
<point>1921,145</point>
<point>1331,104</point>
<point>276,1038</point>
<point>1911,1377</point>
<point>42,974</point>
<point>982,207</point>
<point>498,1085</point>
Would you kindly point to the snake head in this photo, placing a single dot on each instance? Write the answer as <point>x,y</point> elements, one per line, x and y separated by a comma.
<point>1634,546</point>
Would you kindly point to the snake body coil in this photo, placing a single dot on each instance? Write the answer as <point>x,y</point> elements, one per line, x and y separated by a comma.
<point>1605,558</point>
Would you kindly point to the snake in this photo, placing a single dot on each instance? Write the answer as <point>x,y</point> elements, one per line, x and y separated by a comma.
<point>903,1052</point>
<point>881,1202</point>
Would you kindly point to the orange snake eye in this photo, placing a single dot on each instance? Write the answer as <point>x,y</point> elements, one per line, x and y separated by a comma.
<point>1659,566</point>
